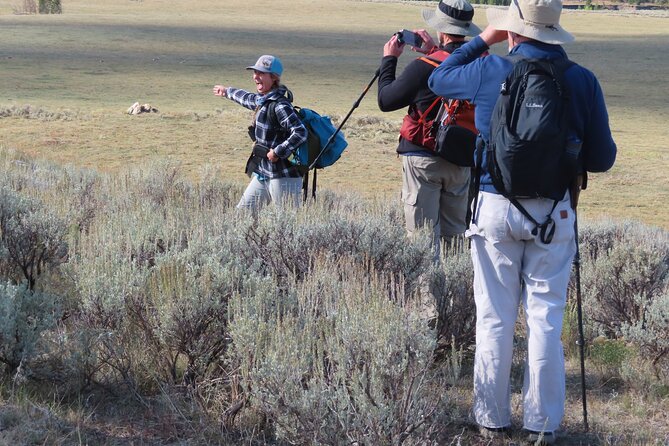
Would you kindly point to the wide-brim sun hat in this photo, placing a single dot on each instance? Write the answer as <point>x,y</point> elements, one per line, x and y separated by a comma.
<point>268,64</point>
<point>452,17</point>
<point>536,19</point>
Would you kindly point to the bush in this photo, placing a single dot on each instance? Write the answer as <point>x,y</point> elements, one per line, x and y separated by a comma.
<point>285,242</point>
<point>625,287</point>
<point>651,334</point>
<point>608,356</point>
<point>337,361</point>
<point>183,315</point>
<point>50,7</point>
<point>154,273</point>
<point>453,286</point>
<point>24,316</point>
<point>160,260</point>
<point>28,111</point>
<point>298,322</point>
<point>625,268</point>
<point>27,7</point>
<point>31,237</point>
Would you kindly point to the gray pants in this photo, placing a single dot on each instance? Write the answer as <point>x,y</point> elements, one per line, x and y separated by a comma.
<point>435,194</point>
<point>278,191</point>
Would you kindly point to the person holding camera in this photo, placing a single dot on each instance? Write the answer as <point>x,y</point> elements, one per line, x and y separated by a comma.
<point>276,131</point>
<point>434,190</point>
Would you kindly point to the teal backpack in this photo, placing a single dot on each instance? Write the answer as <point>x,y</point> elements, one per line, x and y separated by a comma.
<point>323,147</point>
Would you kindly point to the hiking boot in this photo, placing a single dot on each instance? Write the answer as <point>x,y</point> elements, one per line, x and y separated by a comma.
<point>492,433</point>
<point>540,438</point>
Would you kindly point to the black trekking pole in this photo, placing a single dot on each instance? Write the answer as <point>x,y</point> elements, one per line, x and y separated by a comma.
<point>355,105</point>
<point>579,185</point>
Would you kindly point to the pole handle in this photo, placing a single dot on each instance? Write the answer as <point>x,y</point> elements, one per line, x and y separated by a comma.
<point>579,183</point>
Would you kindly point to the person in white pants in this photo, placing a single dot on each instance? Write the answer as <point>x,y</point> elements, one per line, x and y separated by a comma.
<point>513,267</point>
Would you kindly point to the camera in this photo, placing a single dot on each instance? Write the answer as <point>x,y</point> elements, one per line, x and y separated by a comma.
<point>409,38</point>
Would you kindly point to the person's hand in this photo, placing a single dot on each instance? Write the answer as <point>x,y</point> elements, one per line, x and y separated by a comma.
<point>428,43</point>
<point>492,36</point>
<point>393,47</point>
<point>220,90</point>
<point>272,156</point>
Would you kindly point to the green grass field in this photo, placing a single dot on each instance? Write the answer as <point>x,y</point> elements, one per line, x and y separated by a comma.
<point>99,57</point>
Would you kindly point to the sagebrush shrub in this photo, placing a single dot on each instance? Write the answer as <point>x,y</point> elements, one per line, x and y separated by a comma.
<point>24,316</point>
<point>84,200</point>
<point>27,7</point>
<point>155,271</point>
<point>624,285</point>
<point>624,267</point>
<point>453,286</point>
<point>50,7</point>
<point>32,237</point>
<point>651,334</point>
<point>286,242</point>
<point>337,361</point>
<point>30,112</point>
<point>300,321</point>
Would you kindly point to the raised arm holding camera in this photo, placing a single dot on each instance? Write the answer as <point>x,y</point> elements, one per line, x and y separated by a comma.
<point>434,190</point>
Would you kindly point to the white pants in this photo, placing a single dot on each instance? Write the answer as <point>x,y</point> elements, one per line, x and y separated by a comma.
<point>278,191</point>
<point>513,267</point>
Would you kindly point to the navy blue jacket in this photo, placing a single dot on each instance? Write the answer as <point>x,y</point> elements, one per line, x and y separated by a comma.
<point>466,75</point>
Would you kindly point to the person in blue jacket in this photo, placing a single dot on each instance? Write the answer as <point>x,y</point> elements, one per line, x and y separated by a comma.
<point>511,266</point>
<point>276,136</point>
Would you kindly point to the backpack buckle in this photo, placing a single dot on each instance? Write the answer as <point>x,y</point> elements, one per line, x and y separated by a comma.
<point>546,230</point>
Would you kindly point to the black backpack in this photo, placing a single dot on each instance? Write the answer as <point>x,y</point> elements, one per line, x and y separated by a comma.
<point>528,154</point>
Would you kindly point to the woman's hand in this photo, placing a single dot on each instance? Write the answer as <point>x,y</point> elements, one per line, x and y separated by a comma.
<point>272,156</point>
<point>220,90</point>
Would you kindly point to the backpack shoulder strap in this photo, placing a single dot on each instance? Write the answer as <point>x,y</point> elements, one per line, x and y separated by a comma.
<point>271,109</point>
<point>435,58</point>
<point>428,110</point>
<point>271,112</point>
<point>561,66</point>
<point>434,63</point>
<point>513,58</point>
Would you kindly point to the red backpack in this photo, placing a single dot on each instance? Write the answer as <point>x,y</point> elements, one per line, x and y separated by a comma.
<point>416,127</point>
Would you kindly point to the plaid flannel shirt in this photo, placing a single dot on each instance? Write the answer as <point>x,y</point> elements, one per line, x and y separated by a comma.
<point>284,139</point>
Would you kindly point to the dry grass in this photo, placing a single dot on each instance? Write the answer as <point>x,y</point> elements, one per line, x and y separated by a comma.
<point>617,417</point>
<point>85,67</point>
<point>100,57</point>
